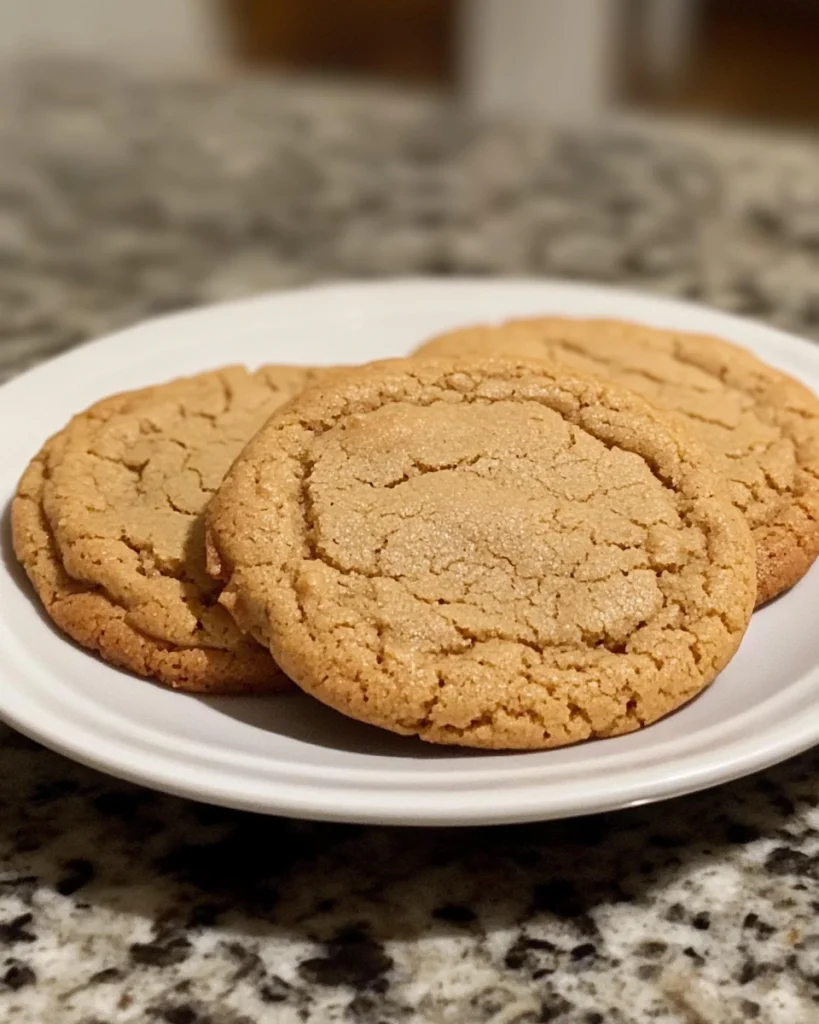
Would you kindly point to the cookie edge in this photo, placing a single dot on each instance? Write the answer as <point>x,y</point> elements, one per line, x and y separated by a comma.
<point>73,606</point>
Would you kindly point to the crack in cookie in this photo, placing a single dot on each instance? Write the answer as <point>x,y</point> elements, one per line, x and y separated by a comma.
<point>489,553</point>
<point>762,425</point>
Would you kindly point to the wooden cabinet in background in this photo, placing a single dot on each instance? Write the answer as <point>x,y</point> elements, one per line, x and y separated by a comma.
<point>403,40</point>
<point>554,59</point>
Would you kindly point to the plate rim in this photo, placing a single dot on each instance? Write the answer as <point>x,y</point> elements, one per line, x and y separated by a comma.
<point>796,344</point>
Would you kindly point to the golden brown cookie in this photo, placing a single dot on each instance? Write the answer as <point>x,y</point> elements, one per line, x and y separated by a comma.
<point>762,425</point>
<point>486,553</point>
<point>108,525</point>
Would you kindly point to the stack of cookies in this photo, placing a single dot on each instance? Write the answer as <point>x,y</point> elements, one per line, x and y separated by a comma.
<point>523,536</point>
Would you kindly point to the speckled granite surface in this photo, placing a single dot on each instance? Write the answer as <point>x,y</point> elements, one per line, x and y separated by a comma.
<point>120,199</point>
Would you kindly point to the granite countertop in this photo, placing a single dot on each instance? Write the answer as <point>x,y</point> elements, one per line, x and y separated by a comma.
<point>122,198</point>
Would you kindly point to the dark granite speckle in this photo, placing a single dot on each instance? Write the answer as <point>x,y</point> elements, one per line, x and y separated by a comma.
<point>353,958</point>
<point>454,913</point>
<point>16,930</point>
<point>180,1015</point>
<point>692,954</point>
<point>120,198</point>
<point>162,951</point>
<point>105,976</point>
<point>79,873</point>
<point>18,975</point>
<point>786,861</point>
<point>651,950</point>
<point>560,897</point>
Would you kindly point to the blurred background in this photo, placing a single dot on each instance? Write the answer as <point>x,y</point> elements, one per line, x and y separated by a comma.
<point>161,154</point>
<point>559,60</point>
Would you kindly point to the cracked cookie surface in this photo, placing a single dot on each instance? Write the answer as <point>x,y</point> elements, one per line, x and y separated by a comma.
<point>108,523</point>
<point>494,554</point>
<point>762,426</point>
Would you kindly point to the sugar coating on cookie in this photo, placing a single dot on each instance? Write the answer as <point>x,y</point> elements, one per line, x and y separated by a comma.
<point>108,524</point>
<point>493,554</point>
<point>762,425</point>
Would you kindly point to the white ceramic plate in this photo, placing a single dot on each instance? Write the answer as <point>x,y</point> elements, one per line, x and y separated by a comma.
<point>290,755</point>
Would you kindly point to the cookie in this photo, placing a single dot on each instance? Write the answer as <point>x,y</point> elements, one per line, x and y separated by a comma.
<point>487,553</point>
<point>108,524</point>
<point>762,425</point>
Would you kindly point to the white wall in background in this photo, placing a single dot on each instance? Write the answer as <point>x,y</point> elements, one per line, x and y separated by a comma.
<point>552,59</point>
<point>147,33</point>
<point>557,60</point>
<point>670,28</point>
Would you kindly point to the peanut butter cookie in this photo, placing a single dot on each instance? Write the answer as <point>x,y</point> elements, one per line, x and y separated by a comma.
<point>108,524</point>
<point>762,425</point>
<point>490,553</point>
